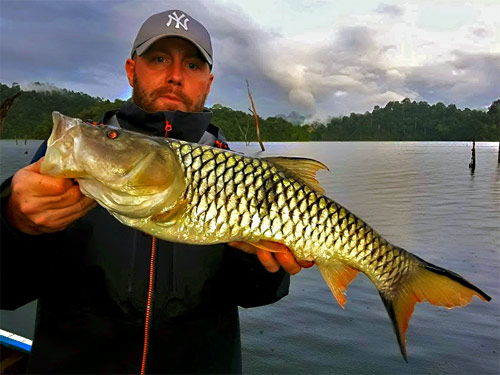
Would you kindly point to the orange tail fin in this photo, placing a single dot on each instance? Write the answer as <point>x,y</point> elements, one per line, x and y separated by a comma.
<point>429,283</point>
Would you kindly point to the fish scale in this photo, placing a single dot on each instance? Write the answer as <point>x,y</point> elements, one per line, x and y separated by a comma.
<point>185,192</point>
<point>322,226</point>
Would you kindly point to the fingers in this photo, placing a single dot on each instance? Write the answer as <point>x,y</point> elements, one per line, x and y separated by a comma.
<point>41,203</point>
<point>59,219</point>
<point>68,198</point>
<point>246,247</point>
<point>42,185</point>
<point>272,261</point>
<point>305,263</point>
<point>49,220</point>
<point>288,262</point>
<point>268,261</point>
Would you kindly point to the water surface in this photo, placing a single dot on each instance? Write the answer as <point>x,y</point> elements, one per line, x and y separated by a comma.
<point>420,196</point>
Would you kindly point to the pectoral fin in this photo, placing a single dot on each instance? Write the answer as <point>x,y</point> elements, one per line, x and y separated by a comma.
<point>171,216</point>
<point>271,246</point>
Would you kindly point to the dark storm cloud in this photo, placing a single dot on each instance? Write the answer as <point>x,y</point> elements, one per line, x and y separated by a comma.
<point>83,46</point>
<point>64,41</point>
<point>469,79</point>
<point>239,45</point>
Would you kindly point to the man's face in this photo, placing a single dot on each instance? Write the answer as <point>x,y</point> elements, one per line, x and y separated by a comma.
<point>171,75</point>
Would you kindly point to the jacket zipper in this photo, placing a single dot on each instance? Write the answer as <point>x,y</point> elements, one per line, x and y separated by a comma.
<point>152,275</point>
<point>149,304</point>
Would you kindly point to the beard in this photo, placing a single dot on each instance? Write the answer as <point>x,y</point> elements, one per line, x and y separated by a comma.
<point>146,100</point>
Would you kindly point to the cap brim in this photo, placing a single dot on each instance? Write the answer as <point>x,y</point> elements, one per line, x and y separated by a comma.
<point>144,46</point>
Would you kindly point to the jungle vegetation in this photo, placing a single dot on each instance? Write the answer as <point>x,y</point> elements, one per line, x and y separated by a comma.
<point>406,120</point>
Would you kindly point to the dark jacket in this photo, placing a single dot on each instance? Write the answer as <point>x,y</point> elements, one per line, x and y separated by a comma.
<point>92,281</point>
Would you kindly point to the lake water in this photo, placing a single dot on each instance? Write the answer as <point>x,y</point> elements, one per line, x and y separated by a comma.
<point>420,196</point>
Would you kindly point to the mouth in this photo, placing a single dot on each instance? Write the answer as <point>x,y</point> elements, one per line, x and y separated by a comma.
<point>171,98</point>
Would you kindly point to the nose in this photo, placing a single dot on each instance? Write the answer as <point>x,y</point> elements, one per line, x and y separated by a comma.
<point>174,76</point>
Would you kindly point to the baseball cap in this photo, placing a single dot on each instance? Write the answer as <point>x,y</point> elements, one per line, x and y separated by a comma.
<point>173,23</point>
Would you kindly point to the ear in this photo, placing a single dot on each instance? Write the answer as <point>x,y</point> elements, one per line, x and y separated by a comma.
<point>130,69</point>
<point>210,80</point>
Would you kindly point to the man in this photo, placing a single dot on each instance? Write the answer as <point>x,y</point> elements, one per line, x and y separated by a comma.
<point>93,276</point>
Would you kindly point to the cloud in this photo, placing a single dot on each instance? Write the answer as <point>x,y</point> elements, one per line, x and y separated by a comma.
<point>371,64</point>
<point>71,45</point>
<point>467,79</point>
<point>390,9</point>
<point>348,64</point>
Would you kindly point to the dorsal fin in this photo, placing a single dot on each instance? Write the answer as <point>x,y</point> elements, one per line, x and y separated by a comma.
<point>302,169</point>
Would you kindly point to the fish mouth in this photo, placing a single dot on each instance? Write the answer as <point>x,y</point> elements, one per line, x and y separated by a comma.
<point>61,124</point>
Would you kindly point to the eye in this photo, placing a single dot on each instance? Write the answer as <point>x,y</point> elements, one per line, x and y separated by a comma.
<point>160,59</point>
<point>192,66</point>
<point>112,134</point>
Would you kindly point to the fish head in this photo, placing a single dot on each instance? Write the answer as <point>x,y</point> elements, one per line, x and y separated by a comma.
<point>124,162</point>
<point>59,159</point>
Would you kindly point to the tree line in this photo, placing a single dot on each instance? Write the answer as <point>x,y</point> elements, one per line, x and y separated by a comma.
<point>406,120</point>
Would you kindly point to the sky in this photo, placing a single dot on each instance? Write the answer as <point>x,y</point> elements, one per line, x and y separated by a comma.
<point>320,58</point>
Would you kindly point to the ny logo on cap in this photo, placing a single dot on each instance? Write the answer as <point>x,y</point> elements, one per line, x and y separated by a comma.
<point>174,17</point>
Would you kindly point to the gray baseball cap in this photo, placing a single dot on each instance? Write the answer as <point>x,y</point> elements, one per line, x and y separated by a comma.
<point>173,23</point>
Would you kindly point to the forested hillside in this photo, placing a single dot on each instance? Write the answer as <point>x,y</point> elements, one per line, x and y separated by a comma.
<point>30,116</point>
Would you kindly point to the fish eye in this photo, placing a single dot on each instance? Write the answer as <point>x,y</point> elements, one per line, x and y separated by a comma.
<point>112,134</point>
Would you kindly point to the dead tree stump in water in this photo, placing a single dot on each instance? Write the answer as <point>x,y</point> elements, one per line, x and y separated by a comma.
<point>256,117</point>
<point>4,108</point>
<point>472,164</point>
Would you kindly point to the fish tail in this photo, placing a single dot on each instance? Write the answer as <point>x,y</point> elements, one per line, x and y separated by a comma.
<point>430,283</point>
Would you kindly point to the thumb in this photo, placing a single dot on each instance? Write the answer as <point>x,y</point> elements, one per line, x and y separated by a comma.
<point>56,185</point>
<point>35,167</point>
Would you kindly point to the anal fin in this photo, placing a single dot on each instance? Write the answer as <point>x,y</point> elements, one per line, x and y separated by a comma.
<point>338,276</point>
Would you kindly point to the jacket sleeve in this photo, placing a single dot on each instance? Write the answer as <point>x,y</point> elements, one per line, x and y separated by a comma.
<point>25,261</point>
<point>252,284</point>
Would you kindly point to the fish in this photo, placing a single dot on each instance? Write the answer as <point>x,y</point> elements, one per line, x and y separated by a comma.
<point>197,194</point>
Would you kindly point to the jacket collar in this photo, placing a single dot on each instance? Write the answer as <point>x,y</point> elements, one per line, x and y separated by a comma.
<point>188,126</point>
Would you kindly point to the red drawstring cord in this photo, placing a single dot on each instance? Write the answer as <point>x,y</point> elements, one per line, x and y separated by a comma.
<point>168,127</point>
<point>149,309</point>
<point>149,306</point>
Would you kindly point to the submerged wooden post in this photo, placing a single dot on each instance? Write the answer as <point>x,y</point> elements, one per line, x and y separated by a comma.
<point>256,117</point>
<point>472,164</point>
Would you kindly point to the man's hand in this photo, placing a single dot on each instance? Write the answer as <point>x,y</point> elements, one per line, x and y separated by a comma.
<point>44,204</point>
<point>273,261</point>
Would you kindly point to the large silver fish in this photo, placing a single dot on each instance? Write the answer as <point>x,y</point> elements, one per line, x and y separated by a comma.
<point>185,192</point>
